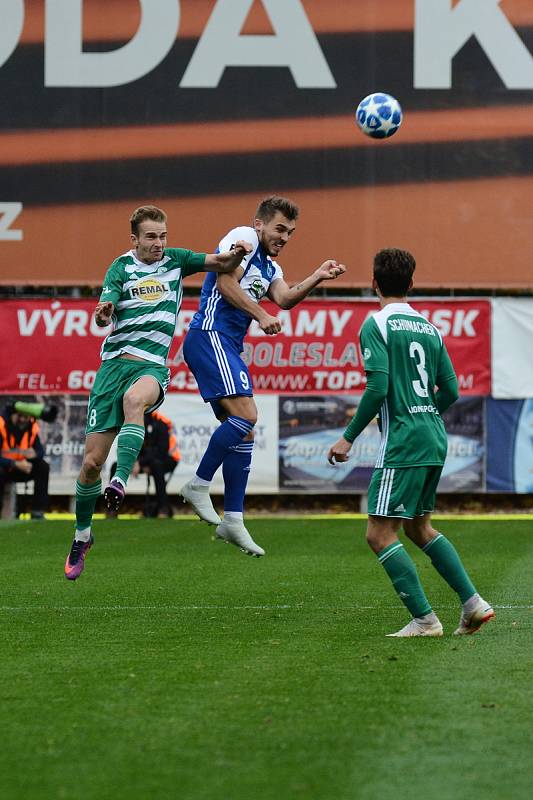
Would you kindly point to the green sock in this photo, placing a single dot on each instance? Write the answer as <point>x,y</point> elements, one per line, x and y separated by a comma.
<point>130,441</point>
<point>86,497</point>
<point>401,569</point>
<point>446,561</point>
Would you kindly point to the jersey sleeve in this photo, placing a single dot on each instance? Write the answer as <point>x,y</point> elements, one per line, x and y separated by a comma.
<point>189,261</point>
<point>445,370</point>
<point>245,233</point>
<point>278,272</point>
<point>113,283</point>
<point>373,348</point>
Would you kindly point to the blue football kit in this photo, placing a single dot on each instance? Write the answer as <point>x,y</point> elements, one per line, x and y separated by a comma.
<point>213,345</point>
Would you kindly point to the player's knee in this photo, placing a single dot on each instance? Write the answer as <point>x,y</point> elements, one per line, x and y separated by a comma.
<point>92,465</point>
<point>133,404</point>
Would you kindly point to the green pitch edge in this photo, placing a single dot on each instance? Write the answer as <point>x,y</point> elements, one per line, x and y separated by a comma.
<point>473,517</point>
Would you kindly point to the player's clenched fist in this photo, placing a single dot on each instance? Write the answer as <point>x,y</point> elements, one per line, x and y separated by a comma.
<point>103,313</point>
<point>242,248</point>
<point>269,324</point>
<point>330,270</point>
<point>338,452</point>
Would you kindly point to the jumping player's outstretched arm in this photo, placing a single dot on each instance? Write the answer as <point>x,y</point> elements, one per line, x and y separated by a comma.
<point>286,296</point>
<point>227,262</point>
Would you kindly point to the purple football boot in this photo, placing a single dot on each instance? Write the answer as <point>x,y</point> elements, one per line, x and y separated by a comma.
<point>76,558</point>
<point>114,495</point>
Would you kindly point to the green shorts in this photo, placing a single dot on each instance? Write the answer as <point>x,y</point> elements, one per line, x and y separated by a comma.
<point>403,491</point>
<point>113,379</point>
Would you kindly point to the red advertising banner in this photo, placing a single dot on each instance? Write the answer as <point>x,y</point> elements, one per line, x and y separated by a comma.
<point>52,346</point>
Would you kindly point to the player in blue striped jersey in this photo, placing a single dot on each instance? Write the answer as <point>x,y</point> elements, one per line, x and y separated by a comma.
<point>212,350</point>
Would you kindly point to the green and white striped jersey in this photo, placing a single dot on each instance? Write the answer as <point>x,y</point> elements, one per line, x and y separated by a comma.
<point>147,299</point>
<point>400,342</point>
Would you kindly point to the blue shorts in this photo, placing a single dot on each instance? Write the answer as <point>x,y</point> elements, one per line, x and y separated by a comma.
<point>216,363</point>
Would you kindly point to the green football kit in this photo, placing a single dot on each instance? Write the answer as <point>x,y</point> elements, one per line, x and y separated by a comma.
<point>147,300</point>
<point>405,359</point>
<point>405,352</point>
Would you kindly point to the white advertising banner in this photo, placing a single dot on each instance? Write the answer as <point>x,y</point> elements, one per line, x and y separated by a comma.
<point>512,348</point>
<point>195,422</point>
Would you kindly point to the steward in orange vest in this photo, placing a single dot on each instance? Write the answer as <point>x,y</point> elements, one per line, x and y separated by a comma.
<point>22,457</point>
<point>159,458</point>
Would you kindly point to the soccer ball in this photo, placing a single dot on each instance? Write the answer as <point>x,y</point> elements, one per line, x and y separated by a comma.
<point>379,115</point>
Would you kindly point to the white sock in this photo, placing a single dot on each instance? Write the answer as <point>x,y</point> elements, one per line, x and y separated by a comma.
<point>233,515</point>
<point>83,535</point>
<point>471,603</point>
<point>427,619</point>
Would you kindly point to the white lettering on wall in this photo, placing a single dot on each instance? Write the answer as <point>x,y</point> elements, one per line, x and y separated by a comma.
<point>293,45</point>
<point>442,28</point>
<point>67,65</point>
<point>12,21</point>
<point>8,214</point>
<point>441,31</point>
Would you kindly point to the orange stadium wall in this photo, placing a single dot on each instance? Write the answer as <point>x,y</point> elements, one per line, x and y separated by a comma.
<point>205,106</point>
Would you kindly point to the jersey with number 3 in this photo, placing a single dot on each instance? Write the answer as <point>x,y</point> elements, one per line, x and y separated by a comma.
<point>400,342</point>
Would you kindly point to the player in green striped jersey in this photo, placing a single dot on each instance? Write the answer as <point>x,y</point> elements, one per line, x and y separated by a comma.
<point>141,296</point>
<point>405,359</point>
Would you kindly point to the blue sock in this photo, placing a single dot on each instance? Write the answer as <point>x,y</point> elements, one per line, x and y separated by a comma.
<point>235,471</point>
<point>226,436</point>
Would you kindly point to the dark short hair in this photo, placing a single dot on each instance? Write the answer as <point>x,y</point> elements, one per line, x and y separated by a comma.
<point>269,205</point>
<point>393,271</point>
<point>146,212</point>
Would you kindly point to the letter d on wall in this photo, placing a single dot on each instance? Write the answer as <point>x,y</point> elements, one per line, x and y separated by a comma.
<point>67,65</point>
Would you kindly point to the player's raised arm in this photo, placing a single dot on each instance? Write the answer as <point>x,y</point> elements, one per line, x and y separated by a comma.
<point>228,261</point>
<point>286,296</point>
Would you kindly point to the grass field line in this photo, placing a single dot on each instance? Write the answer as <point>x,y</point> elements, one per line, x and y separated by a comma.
<point>284,607</point>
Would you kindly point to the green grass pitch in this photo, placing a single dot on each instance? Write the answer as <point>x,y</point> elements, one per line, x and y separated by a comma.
<point>177,667</point>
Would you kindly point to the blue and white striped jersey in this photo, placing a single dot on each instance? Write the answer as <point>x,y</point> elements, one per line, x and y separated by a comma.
<point>215,313</point>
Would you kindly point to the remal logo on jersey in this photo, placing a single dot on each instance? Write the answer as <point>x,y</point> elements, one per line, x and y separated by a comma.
<point>149,290</point>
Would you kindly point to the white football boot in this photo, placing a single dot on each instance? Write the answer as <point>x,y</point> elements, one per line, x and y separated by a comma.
<point>199,499</point>
<point>476,612</point>
<point>234,532</point>
<point>420,627</point>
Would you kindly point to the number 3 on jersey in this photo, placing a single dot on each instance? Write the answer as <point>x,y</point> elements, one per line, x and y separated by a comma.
<point>416,351</point>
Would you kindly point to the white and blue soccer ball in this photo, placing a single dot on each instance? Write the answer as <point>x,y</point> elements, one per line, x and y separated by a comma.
<point>379,115</point>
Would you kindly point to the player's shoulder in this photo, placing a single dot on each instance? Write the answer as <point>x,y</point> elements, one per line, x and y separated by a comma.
<point>241,232</point>
<point>124,260</point>
<point>178,255</point>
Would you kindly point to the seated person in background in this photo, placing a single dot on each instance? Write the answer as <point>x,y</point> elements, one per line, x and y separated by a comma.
<point>159,457</point>
<point>21,457</point>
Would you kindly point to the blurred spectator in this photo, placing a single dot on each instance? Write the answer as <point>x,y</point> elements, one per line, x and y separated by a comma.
<point>21,457</point>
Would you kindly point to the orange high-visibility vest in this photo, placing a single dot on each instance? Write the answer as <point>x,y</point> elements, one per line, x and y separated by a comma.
<point>173,449</point>
<point>10,448</point>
